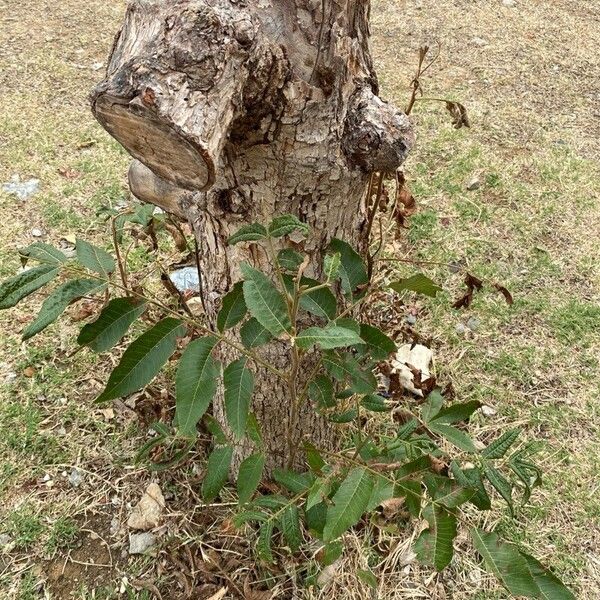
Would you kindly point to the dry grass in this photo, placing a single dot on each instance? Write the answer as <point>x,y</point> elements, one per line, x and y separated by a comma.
<point>529,76</point>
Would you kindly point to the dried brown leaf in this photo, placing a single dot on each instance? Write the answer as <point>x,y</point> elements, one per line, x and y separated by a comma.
<point>507,295</point>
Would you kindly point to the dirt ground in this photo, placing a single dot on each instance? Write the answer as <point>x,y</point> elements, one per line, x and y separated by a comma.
<point>528,72</point>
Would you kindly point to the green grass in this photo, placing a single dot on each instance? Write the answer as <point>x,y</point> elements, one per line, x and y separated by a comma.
<point>63,534</point>
<point>576,323</point>
<point>24,526</point>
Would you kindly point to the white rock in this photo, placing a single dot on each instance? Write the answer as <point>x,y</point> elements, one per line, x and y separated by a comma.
<point>141,542</point>
<point>474,184</point>
<point>479,42</point>
<point>146,514</point>
<point>488,411</point>
<point>37,232</point>
<point>75,478</point>
<point>509,2</point>
<point>418,357</point>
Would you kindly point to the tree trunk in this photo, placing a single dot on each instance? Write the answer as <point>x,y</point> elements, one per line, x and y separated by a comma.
<point>240,110</point>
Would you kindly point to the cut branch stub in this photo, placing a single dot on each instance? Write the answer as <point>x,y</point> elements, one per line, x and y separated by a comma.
<point>181,75</point>
<point>377,136</point>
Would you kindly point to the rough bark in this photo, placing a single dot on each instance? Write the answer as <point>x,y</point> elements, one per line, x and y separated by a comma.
<point>241,110</point>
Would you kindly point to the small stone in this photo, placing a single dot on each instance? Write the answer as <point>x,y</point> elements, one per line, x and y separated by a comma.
<point>115,525</point>
<point>97,66</point>
<point>474,184</point>
<point>508,2</point>
<point>75,478</point>
<point>10,377</point>
<point>479,42</point>
<point>460,329</point>
<point>141,542</point>
<point>146,514</point>
<point>4,539</point>
<point>37,232</point>
<point>473,323</point>
<point>411,319</point>
<point>488,411</point>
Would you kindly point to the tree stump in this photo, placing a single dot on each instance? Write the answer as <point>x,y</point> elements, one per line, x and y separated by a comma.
<point>239,110</point>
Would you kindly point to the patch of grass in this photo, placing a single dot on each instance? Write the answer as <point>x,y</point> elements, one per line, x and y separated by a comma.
<point>422,225</point>
<point>20,432</point>
<point>28,588</point>
<point>63,534</point>
<point>24,526</point>
<point>575,322</point>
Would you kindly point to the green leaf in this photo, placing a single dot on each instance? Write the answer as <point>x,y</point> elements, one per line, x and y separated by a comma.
<point>313,457</point>
<point>374,403</point>
<point>435,545</point>
<point>253,334</point>
<point>344,417</point>
<point>289,523</point>
<point>213,427</point>
<point>320,391</point>
<point>248,233</point>
<point>195,383</point>
<point>321,302</point>
<point>499,447</point>
<point>265,302</point>
<point>349,503</point>
<point>217,471</point>
<point>383,489</point>
<point>353,270</point>
<point>414,467</point>
<point>253,430</point>
<point>94,258</point>
<point>56,303</point>
<point>263,546</point>
<point>233,308</point>
<point>433,406</point>
<point>455,495</point>
<point>13,290</point>
<point>239,386</point>
<point>286,224</point>
<point>500,483</point>
<point>412,492</point>
<point>143,359</point>
<point>472,478</point>
<point>289,259</point>
<point>272,501</point>
<point>455,436</point>
<point>249,476</point>
<point>379,345</point>
<point>43,253</point>
<point>348,323</point>
<point>331,266</point>
<point>347,367</point>
<point>367,577</point>
<point>112,324</point>
<point>456,413</point>
<point>529,474</point>
<point>316,518</point>
<point>330,553</point>
<point>248,516</point>
<point>327,338</point>
<point>550,587</point>
<point>319,490</point>
<point>418,283</point>
<point>294,482</point>
<point>506,563</point>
